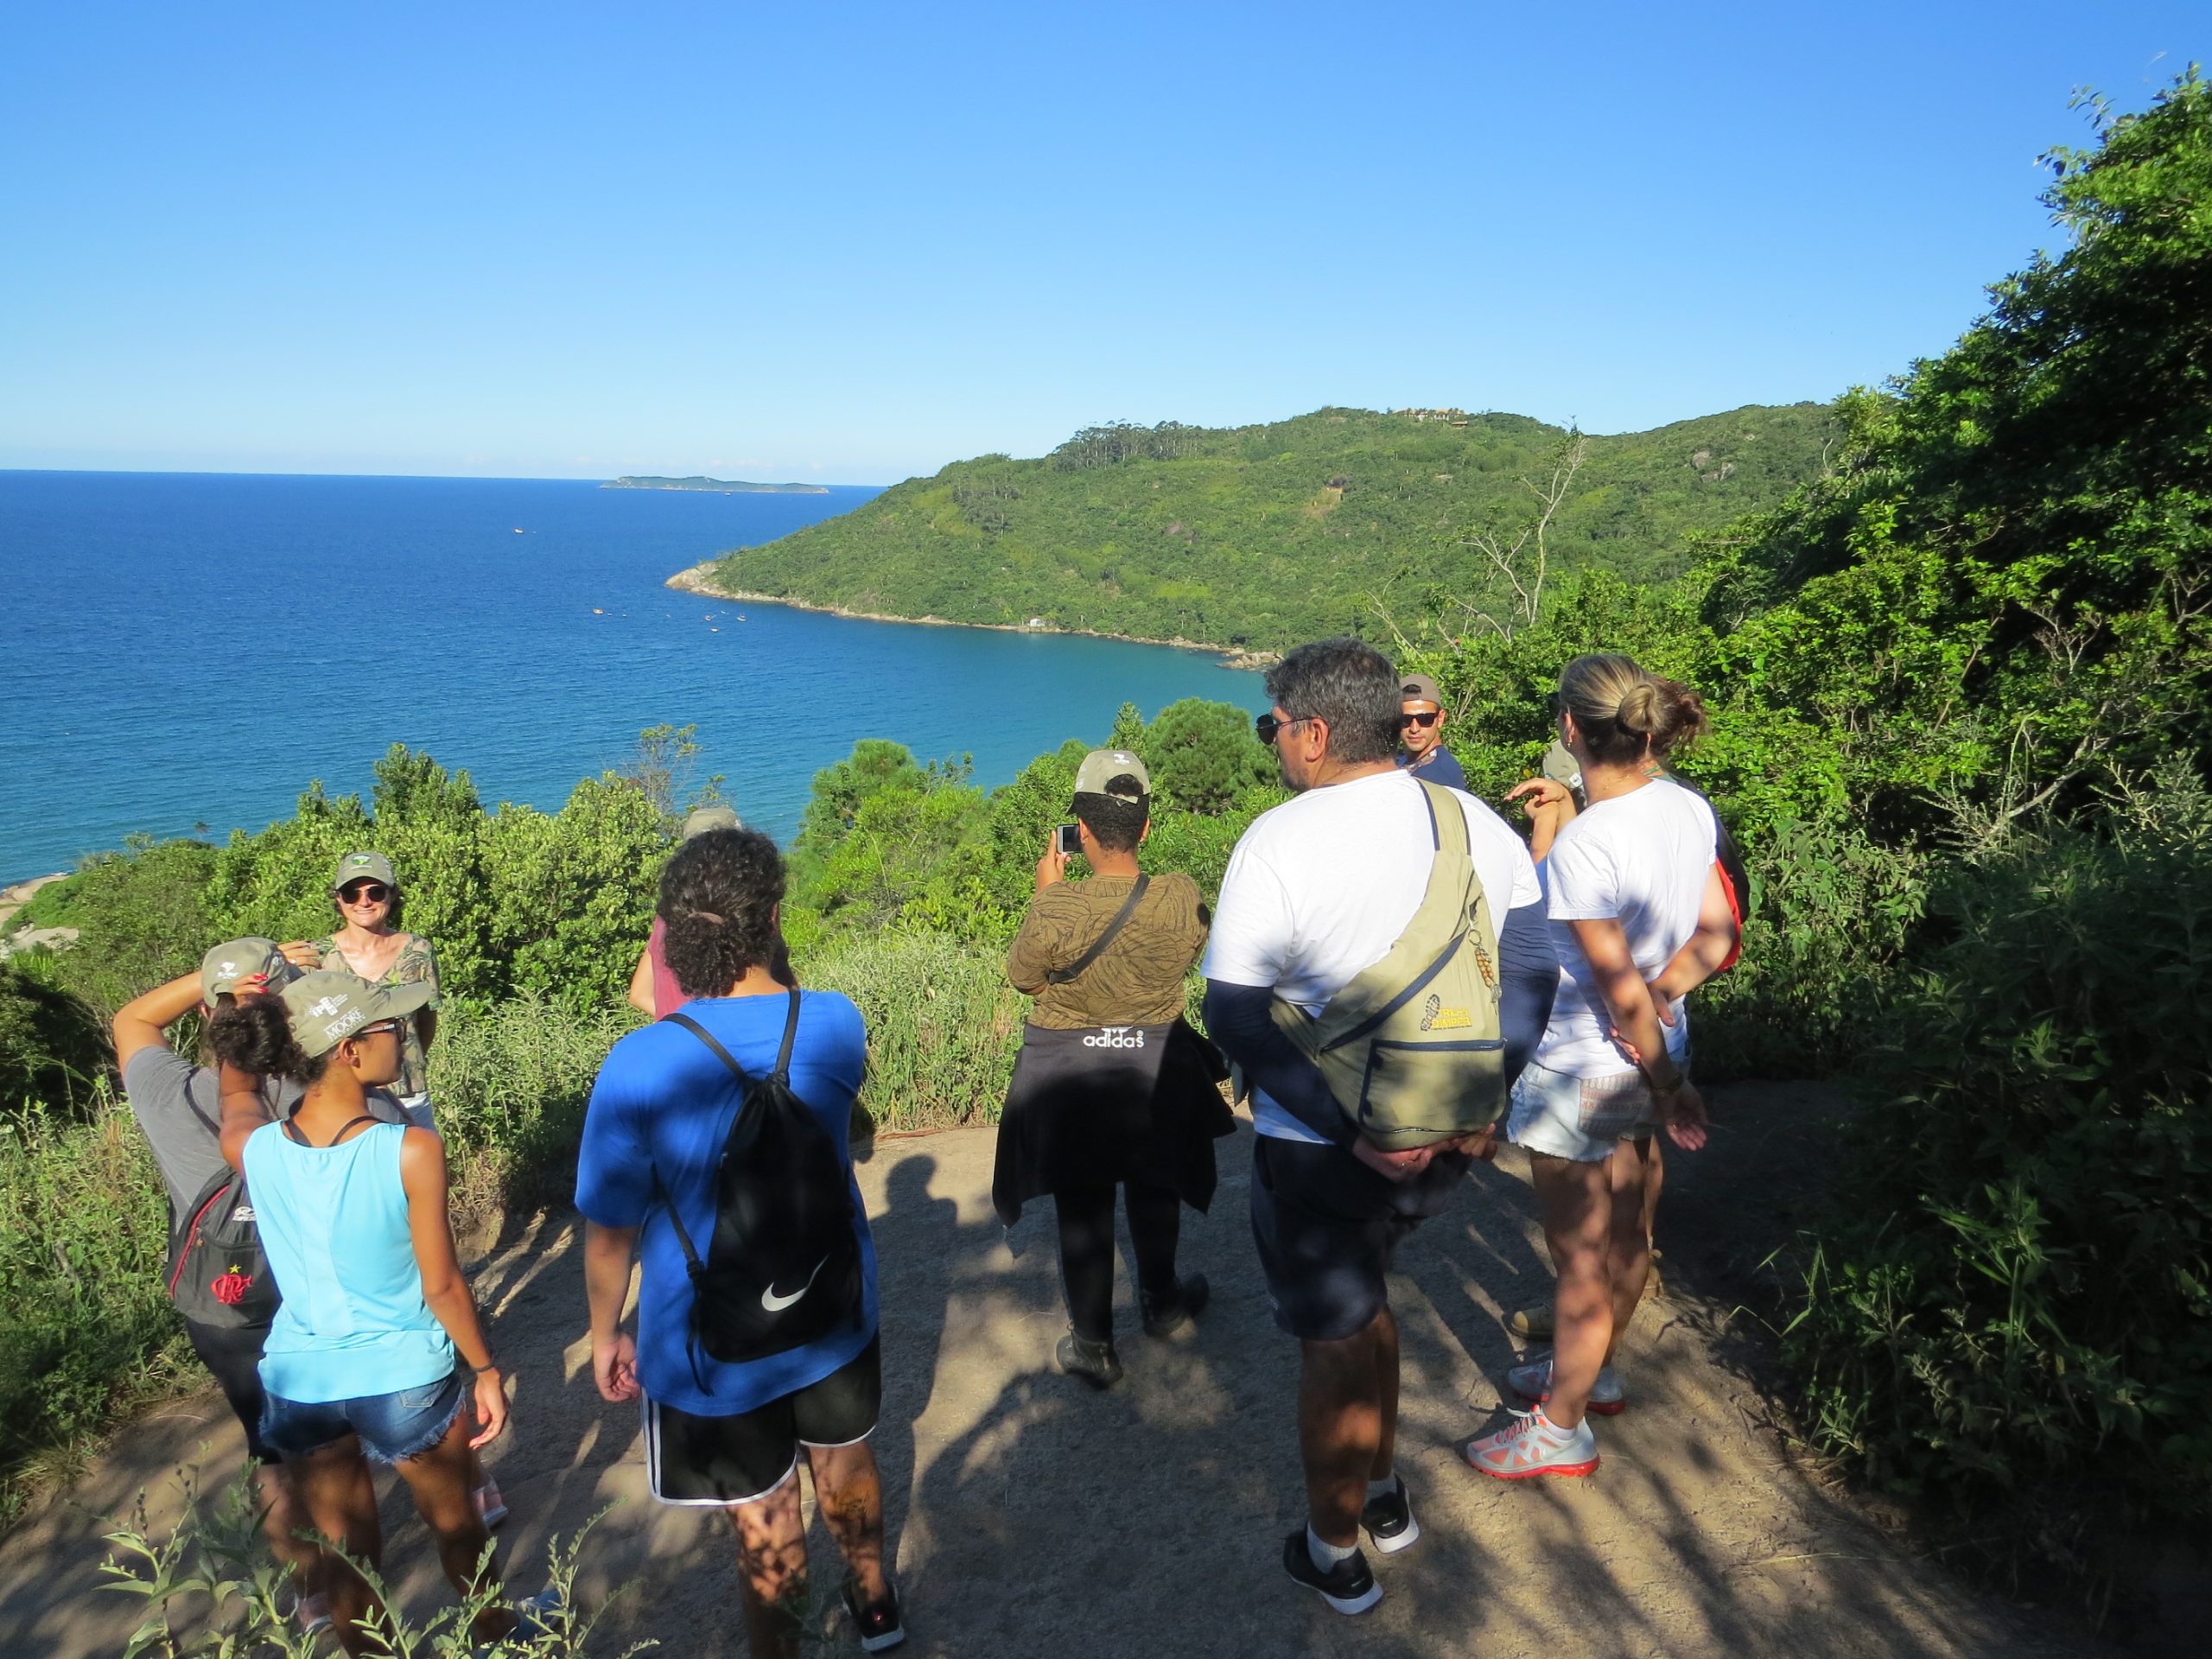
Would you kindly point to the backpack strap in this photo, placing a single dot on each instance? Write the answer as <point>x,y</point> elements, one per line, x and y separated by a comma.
<point>1076,968</point>
<point>783,1071</point>
<point>680,1018</point>
<point>693,1267</point>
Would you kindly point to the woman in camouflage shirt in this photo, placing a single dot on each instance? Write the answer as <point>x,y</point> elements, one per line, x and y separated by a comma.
<point>370,944</point>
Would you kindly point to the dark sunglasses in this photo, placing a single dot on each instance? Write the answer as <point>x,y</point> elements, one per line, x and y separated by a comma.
<point>1265,727</point>
<point>364,892</point>
<point>1423,720</point>
<point>396,1027</point>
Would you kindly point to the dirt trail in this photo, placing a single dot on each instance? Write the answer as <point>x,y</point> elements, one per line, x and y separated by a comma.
<point>1033,1516</point>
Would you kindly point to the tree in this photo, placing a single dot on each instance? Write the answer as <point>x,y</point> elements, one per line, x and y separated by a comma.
<point>2003,598</point>
<point>1203,756</point>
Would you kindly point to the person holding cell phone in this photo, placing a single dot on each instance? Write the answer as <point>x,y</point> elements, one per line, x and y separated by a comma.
<point>1112,1086</point>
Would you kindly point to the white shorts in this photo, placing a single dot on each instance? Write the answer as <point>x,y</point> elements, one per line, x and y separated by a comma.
<point>1581,1119</point>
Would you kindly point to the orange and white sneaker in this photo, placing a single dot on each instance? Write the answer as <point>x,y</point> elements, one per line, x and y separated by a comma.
<point>1533,1445</point>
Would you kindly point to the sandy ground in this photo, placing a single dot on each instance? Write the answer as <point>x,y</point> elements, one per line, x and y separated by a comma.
<point>1031,1515</point>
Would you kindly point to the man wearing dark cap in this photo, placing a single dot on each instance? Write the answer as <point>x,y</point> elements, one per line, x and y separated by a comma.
<point>1421,734</point>
<point>1111,1087</point>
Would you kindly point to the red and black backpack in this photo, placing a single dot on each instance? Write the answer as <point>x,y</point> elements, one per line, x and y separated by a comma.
<point>218,1273</point>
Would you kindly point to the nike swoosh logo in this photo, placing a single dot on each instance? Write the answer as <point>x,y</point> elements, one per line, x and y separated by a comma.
<point>776,1303</point>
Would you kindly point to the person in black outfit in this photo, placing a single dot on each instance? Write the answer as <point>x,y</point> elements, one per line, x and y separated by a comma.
<point>1112,1087</point>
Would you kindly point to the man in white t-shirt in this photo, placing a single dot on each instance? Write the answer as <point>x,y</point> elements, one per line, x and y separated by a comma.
<point>1319,889</point>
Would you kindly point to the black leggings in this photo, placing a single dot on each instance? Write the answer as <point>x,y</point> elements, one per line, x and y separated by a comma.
<point>1087,1250</point>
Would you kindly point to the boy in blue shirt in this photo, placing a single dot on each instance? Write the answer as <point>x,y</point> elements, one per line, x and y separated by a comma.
<point>732,1435</point>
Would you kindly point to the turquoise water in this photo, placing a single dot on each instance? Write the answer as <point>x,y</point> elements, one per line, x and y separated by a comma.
<point>181,653</point>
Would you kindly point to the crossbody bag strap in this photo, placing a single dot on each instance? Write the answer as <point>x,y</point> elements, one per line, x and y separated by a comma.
<point>1074,970</point>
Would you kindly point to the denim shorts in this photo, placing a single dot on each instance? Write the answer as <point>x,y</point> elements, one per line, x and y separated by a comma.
<point>1580,1119</point>
<point>404,1424</point>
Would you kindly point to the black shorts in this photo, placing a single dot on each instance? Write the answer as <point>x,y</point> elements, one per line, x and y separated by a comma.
<point>234,1358</point>
<point>1327,1226</point>
<point>691,1459</point>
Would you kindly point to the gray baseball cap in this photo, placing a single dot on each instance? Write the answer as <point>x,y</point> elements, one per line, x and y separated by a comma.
<point>1101,766</point>
<point>700,819</point>
<point>364,867</point>
<point>221,969</point>
<point>1561,766</point>
<point>327,1006</point>
<point>1420,688</point>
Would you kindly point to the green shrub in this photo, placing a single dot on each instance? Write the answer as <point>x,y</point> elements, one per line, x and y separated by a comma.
<point>142,918</point>
<point>51,1047</point>
<point>1831,912</point>
<point>943,1025</point>
<point>518,900</point>
<point>1203,756</point>
<point>2010,1304</point>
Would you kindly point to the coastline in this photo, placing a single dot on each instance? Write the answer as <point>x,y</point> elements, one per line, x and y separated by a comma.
<point>695,580</point>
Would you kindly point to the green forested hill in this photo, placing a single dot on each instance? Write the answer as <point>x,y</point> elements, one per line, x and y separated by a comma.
<point>1265,535</point>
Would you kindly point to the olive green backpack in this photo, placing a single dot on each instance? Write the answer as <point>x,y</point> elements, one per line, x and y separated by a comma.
<point>1412,1048</point>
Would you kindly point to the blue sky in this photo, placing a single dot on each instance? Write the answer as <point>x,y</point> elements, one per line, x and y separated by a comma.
<point>850,243</point>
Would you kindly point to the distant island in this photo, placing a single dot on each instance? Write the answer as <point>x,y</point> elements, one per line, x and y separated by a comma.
<point>721,486</point>
<point>1255,538</point>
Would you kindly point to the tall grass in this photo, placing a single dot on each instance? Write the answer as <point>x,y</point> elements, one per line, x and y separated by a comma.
<point>511,1084</point>
<point>942,1027</point>
<point>85,1326</point>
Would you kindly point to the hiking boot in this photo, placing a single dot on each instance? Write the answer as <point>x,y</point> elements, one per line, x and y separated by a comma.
<point>1389,1520</point>
<point>1533,1381</point>
<point>1533,1445</point>
<point>1095,1362</point>
<point>1349,1586</point>
<point>1165,1320</point>
<point>1533,1323</point>
<point>877,1626</point>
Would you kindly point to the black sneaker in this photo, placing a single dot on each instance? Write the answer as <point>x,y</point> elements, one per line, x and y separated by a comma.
<point>1349,1586</point>
<point>1389,1520</point>
<point>1165,1320</point>
<point>878,1627</point>
<point>1095,1362</point>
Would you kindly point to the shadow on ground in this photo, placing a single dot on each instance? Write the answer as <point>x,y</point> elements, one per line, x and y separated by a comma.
<point>1031,1515</point>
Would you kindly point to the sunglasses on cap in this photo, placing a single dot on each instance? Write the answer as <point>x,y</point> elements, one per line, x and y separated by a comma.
<point>1265,727</point>
<point>363,892</point>
<point>1423,720</point>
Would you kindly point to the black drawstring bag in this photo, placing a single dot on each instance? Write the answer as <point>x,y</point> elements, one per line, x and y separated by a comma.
<point>783,1267</point>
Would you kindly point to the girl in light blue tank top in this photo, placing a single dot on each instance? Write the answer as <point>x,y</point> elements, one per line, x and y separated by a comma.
<point>360,1360</point>
<point>335,1221</point>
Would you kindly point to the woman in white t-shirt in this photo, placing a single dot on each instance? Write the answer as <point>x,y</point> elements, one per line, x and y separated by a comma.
<point>1640,917</point>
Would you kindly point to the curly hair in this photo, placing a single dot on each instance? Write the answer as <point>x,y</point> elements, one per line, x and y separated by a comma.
<point>1115,824</point>
<point>718,898</point>
<point>1624,712</point>
<point>255,1034</point>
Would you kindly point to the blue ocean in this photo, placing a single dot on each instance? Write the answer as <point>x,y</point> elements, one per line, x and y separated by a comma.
<point>182,653</point>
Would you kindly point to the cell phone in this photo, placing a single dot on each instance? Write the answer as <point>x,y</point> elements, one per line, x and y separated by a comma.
<point>1068,840</point>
